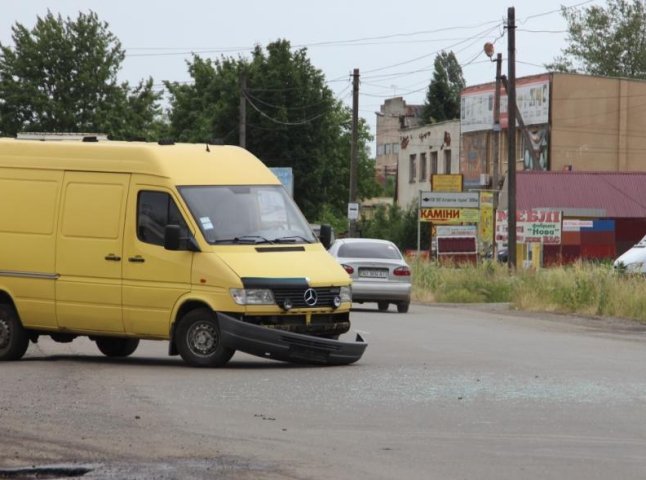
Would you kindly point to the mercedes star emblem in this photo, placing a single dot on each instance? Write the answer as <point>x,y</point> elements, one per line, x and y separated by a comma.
<point>310,297</point>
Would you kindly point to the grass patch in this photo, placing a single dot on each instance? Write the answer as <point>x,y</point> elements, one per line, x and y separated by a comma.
<point>581,288</point>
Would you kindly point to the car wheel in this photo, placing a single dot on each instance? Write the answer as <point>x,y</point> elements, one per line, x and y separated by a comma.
<point>382,306</point>
<point>403,307</point>
<point>13,337</point>
<point>117,347</point>
<point>199,342</point>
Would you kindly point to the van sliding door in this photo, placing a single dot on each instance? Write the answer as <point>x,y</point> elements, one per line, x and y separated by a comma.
<point>89,254</point>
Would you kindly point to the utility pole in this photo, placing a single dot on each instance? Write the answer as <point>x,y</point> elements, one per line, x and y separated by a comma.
<point>354,147</point>
<point>496,128</point>
<point>243,110</point>
<point>511,132</point>
<point>523,131</point>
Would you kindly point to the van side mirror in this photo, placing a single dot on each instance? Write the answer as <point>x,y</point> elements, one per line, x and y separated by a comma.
<point>325,236</point>
<point>172,238</point>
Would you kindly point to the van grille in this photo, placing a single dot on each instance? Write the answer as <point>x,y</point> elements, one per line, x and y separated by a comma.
<point>323,324</point>
<point>324,296</point>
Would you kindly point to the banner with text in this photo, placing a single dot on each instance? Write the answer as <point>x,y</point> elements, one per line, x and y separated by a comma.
<point>449,216</point>
<point>532,97</point>
<point>532,226</point>
<point>449,200</point>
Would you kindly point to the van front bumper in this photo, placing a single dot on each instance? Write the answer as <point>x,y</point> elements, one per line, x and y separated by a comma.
<point>287,346</point>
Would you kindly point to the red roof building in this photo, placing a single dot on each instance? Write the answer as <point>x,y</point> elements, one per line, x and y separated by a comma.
<point>582,194</point>
<point>615,201</point>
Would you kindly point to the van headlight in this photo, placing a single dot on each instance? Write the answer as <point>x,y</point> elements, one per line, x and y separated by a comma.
<point>345,294</point>
<point>252,296</point>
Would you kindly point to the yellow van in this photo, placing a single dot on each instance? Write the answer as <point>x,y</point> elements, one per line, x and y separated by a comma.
<point>199,245</point>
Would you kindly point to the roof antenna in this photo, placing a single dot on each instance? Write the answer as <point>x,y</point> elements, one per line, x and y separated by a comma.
<point>207,148</point>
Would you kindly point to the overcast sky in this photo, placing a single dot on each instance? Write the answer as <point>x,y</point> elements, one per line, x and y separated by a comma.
<point>393,44</point>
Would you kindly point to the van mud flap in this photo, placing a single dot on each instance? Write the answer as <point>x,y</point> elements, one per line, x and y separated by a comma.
<point>287,346</point>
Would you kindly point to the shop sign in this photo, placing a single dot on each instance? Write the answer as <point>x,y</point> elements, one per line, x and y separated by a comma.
<point>532,226</point>
<point>449,215</point>
<point>449,200</point>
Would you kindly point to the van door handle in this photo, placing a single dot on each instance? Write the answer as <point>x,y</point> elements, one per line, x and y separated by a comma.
<point>137,259</point>
<point>112,257</point>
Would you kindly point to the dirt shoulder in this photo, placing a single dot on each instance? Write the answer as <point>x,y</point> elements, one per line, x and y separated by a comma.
<point>597,323</point>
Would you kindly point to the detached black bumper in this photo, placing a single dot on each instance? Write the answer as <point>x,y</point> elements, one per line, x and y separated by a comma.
<point>287,346</point>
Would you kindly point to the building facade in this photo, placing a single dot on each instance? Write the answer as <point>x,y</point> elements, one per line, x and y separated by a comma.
<point>423,151</point>
<point>393,116</point>
<point>573,122</point>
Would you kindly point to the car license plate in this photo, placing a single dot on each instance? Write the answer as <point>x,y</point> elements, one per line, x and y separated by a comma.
<point>373,272</point>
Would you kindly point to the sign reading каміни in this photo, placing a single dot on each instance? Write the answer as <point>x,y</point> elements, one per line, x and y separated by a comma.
<point>449,216</point>
<point>532,226</point>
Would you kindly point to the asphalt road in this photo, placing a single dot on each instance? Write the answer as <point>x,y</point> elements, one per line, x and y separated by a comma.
<point>441,393</point>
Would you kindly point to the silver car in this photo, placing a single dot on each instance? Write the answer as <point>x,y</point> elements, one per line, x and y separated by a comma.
<point>378,270</point>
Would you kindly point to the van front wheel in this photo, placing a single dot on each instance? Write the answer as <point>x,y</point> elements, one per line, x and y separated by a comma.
<point>13,337</point>
<point>199,342</point>
<point>117,347</point>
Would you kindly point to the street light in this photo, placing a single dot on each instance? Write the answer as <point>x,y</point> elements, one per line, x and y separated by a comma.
<point>489,51</point>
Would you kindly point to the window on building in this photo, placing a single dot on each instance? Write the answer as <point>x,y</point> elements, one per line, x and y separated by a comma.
<point>434,163</point>
<point>412,168</point>
<point>447,161</point>
<point>395,147</point>
<point>422,167</point>
<point>380,150</point>
<point>389,148</point>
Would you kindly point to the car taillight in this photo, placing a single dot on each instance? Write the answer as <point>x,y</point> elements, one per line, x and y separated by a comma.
<point>402,272</point>
<point>348,269</point>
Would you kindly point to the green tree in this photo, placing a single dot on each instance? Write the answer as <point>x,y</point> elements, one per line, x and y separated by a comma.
<point>293,120</point>
<point>61,76</point>
<point>608,41</point>
<point>443,94</point>
<point>397,225</point>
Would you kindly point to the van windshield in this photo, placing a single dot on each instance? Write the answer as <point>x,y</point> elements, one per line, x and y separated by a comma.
<point>252,214</point>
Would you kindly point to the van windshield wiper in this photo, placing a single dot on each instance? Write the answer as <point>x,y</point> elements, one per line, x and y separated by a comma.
<point>244,239</point>
<point>291,239</point>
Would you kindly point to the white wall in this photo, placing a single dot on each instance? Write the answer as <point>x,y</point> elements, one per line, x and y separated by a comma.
<point>425,140</point>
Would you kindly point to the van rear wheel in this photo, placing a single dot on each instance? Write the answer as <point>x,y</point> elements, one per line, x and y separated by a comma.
<point>199,341</point>
<point>13,337</point>
<point>117,347</point>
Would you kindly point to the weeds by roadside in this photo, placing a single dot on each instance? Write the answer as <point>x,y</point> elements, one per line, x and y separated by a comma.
<point>583,288</point>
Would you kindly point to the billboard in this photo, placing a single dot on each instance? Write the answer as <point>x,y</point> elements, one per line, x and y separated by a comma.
<point>532,98</point>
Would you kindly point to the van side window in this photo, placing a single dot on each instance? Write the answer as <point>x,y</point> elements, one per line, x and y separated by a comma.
<point>155,210</point>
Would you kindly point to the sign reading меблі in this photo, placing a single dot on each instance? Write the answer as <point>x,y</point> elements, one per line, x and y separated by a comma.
<point>532,226</point>
<point>449,200</point>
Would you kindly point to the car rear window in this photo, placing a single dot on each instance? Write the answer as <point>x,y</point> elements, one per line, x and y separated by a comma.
<point>369,250</point>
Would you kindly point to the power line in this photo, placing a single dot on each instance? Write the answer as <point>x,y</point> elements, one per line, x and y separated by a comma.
<point>280,122</point>
<point>301,107</point>
<point>472,39</point>
<point>540,31</point>
<point>569,7</point>
<point>348,42</point>
<point>476,36</point>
